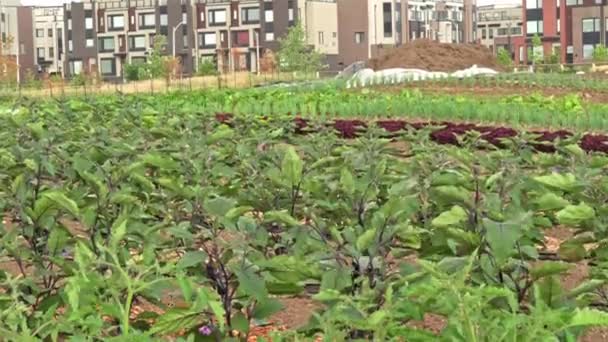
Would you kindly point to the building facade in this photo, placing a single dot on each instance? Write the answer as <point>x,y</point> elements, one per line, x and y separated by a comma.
<point>48,39</point>
<point>367,28</point>
<point>497,26</point>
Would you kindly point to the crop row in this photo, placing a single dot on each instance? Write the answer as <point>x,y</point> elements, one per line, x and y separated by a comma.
<point>449,132</point>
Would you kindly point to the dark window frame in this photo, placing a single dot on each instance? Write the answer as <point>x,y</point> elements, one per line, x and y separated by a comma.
<point>113,72</point>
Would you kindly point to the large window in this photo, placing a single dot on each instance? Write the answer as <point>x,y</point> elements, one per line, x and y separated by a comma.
<point>250,15</point>
<point>269,16</point>
<point>208,39</point>
<point>147,20</point>
<point>137,43</point>
<point>116,22</point>
<point>39,33</point>
<point>75,67</point>
<point>531,4</point>
<point>217,17</point>
<point>534,27</point>
<point>483,34</point>
<point>40,53</point>
<point>164,20</point>
<point>591,25</point>
<point>106,44</point>
<point>108,66</point>
<point>588,51</point>
<point>88,23</point>
<point>387,9</point>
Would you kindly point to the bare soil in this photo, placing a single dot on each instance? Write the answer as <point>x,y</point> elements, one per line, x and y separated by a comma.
<point>433,56</point>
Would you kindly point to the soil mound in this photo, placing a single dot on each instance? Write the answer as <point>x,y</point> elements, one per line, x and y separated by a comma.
<point>433,56</point>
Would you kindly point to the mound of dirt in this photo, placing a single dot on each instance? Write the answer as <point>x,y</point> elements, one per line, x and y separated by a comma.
<point>433,56</point>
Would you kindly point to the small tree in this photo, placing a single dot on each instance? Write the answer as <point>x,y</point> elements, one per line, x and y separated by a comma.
<point>207,67</point>
<point>295,54</point>
<point>600,53</point>
<point>156,61</point>
<point>504,58</point>
<point>537,57</point>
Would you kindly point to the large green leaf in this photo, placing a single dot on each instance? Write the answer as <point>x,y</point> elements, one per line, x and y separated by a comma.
<point>252,284</point>
<point>564,182</point>
<point>62,201</point>
<point>192,258</point>
<point>219,206</point>
<point>588,317</point>
<point>575,215</point>
<point>347,181</point>
<point>176,320</point>
<point>365,240</point>
<point>267,308</point>
<point>502,237</point>
<point>451,217</point>
<point>292,166</point>
<point>281,217</point>
<point>550,201</point>
<point>548,268</point>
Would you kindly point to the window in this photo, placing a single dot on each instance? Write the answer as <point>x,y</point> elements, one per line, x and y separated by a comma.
<point>502,32</point>
<point>491,33</point>
<point>50,34</point>
<point>250,15</point>
<point>88,23</point>
<point>89,43</point>
<point>534,26</point>
<point>39,33</point>
<point>185,41</point>
<point>359,37</point>
<point>574,2</point>
<point>321,38</point>
<point>387,19</point>
<point>516,30</point>
<point>483,34</point>
<point>51,52</point>
<point>591,25</point>
<point>588,51</point>
<point>116,22</point>
<point>185,18</point>
<point>208,39</point>
<point>147,20</point>
<point>532,4</point>
<point>164,20</point>
<point>138,60</point>
<point>558,25</point>
<point>40,53</point>
<point>69,24</point>
<point>108,66</point>
<point>70,45</point>
<point>269,16</point>
<point>290,14</point>
<point>217,17</point>
<point>75,67</point>
<point>269,37</point>
<point>106,44</point>
<point>137,42</point>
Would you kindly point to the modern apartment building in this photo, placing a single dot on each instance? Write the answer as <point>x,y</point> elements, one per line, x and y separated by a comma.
<point>320,19</point>
<point>569,28</point>
<point>48,39</point>
<point>498,25</point>
<point>368,27</point>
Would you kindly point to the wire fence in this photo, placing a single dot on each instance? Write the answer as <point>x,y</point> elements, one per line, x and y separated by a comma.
<point>237,80</point>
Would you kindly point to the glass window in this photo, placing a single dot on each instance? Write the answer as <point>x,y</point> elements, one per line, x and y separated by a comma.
<point>588,51</point>
<point>359,37</point>
<point>531,4</point>
<point>40,53</point>
<point>138,60</point>
<point>185,18</point>
<point>290,14</point>
<point>269,16</point>
<point>269,36</point>
<point>534,26</point>
<point>90,43</point>
<point>137,42</point>
<point>70,45</point>
<point>75,67</point>
<point>108,66</point>
<point>116,22</point>
<point>50,34</point>
<point>39,33</point>
<point>591,25</point>
<point>51,52</point>
<point>483,34</point>
<point>164,20</point>
<point>88,23</point>
<point>490,33</point>
<point>106,44</point>
<point>208,39</point>
<point>250,15</point>
<point>321,38</point>
<point>217,17</point>
<point>387,19</point>
<point>147,20</point>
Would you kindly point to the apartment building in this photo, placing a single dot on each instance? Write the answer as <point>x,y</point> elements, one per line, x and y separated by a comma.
<point>497,26</point>
<point>368,27</point>
<point>9,26</point>
<point>48,39</point>
<point>320,20</point>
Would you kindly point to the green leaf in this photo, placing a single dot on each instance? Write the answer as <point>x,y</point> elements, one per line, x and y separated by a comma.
<point>177,319</point>
<point>365,240</point>
<point>223,132</point>
<point>588,317</point>
<point>564,182</point>
<point>219,206</point>
<point>159,161</point>
<point>451,217</point>
<point>236,212</point>
<point>292,166</point>
<point>548,268</point>
<point>377,318</point>
<point>240,323</point>
<point>281,217</point>
<point>118,233</point>
<point>58,239</point>
<point>586,287</point>
<point>347,181</point>
<point>252,284</point>
<point>501,237</point>
<point>267,308</point>
<point>572,251</point>
<point>60,200</point>
<point>453,195</point>
<point>550,201</point>
<point>574,215</point>
<point>192,258</point>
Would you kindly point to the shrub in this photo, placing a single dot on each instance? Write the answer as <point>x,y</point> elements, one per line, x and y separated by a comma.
<point>207,67</point>
<point>504,58</point>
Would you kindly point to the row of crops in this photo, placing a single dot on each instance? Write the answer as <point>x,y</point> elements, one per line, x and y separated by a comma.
<point>209,208</point>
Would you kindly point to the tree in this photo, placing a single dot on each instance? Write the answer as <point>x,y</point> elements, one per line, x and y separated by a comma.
<point>600,53</point>
<point>504,58</point>
<point>295,54</point>
<point>537,56</point>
